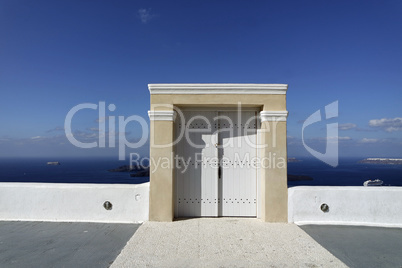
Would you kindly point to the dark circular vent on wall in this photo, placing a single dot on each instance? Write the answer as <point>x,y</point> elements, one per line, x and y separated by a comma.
<point>107,205</point>
<point>324,208</point>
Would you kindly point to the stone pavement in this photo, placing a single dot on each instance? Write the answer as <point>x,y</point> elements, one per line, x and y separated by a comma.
<point>62,244</point>
<point>223,242</point>
<point>360,246</point>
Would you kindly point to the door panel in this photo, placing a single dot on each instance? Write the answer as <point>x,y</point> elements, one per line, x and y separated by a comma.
<point>238,154</point>
<point>196,172</point>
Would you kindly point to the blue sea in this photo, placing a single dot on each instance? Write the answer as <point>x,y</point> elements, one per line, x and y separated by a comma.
<point>70,170</point>
<point>348,173</point>
<point>95,170</point>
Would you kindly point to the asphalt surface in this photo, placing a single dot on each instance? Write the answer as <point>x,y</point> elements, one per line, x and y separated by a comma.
<point>360,246</point>
<point>51,244</point>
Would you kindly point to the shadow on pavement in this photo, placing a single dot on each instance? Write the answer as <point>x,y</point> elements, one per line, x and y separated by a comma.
<point>360,246</point>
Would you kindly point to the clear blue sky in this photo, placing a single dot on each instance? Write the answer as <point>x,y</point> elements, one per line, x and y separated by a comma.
<point>57,54</point>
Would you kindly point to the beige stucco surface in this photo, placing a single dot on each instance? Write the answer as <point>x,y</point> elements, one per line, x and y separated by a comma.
<point>161,174</point>
<point>274,176</point>
<point>273,201</point>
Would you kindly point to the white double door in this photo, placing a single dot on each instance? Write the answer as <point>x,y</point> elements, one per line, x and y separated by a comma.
<point>216,158</point>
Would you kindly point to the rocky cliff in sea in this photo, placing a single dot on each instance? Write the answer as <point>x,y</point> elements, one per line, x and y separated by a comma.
<point>143,173</point>
<point>293,160</point>
<point>382,161</point>
<point>127,168</point>
<point>299,178</point>
<point>135,171</point>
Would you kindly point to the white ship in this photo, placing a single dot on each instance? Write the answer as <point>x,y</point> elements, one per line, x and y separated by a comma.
<point>376,182</point>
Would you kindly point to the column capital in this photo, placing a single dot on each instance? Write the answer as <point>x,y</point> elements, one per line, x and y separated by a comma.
<point>162,115</point>
<point>277,116</point>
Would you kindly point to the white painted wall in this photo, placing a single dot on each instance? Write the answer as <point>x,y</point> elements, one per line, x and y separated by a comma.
<point>73,202</point>
<point>369,206</point>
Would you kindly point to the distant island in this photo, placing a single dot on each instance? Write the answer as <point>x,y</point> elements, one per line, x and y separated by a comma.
<point>143,173</point>
<point>53,163</point>
<point>299,178</point>
<point>293,160</point>
<point>138,171</point>
<point>382,161</point>
<point>127,168</point>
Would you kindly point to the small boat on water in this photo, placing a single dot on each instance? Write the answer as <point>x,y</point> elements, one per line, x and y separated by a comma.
<point>376,182</point>
<point>53,163</point>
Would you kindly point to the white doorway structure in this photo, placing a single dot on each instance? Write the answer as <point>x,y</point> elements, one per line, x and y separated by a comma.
<point>216,173</point>
<point>215,150</point>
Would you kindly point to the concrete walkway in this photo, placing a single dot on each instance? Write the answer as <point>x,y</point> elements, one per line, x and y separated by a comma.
<point>223,242</point>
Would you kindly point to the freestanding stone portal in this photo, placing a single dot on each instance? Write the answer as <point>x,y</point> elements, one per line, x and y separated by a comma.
<point>218,150</point>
